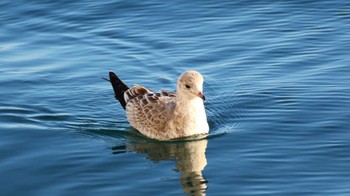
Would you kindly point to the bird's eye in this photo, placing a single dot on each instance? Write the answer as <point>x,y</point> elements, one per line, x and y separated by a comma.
<point>187,86</point>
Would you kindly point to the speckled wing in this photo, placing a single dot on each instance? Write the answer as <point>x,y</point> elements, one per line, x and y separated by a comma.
<point>149,112</point>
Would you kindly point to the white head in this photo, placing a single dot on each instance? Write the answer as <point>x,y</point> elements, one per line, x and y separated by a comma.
<point>190,85</point>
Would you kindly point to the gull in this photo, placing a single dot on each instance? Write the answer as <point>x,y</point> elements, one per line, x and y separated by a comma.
<point>165,115</point>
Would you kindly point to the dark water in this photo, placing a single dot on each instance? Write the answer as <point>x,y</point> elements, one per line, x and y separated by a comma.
<point>277,77</point>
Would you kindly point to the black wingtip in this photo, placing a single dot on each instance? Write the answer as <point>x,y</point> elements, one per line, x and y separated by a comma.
<point>112,74</point>
<point>118,87</point>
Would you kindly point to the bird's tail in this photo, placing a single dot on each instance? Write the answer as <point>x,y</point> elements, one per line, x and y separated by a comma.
<point>119,88</point>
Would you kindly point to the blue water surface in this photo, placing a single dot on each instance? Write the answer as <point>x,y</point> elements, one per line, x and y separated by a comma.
<point>277,77</point>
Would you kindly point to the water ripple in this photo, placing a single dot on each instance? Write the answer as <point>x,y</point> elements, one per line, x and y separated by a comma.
<point>276,78</point>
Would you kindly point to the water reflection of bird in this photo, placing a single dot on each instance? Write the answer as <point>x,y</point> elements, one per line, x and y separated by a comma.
<point>189,156</point>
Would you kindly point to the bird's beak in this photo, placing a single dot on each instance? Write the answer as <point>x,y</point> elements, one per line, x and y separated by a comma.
<point>200,94</point>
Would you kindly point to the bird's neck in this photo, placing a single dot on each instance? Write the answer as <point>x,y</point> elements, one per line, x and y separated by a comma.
<point>191,115</point>
<point>185,104</point>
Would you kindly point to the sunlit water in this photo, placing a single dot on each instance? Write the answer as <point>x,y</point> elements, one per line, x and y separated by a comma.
<point>277,77</point>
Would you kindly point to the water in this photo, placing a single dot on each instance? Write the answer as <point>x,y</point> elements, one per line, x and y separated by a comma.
<point>276,81</point>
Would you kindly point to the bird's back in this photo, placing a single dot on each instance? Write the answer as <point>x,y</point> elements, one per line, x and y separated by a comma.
<point>150,112</point>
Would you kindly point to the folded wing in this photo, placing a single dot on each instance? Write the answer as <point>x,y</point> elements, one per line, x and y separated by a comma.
<point>149,112</point>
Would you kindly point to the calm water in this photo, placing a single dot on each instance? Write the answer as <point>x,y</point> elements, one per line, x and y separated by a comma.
<point>277,78</point>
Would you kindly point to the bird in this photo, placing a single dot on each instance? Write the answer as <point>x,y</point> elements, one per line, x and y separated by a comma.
<point>165,115</point>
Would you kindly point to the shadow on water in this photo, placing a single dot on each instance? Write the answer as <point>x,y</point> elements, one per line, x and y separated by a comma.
<point>189,156</point>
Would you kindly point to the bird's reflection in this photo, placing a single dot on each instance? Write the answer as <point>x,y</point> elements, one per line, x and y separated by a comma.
<point>189,156</point>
